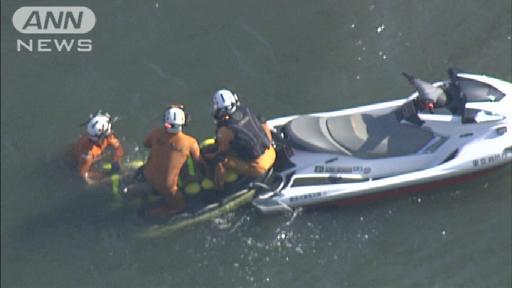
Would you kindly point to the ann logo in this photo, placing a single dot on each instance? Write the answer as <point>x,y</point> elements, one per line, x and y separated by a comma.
<point>50,21</point>
<point>54,20</point>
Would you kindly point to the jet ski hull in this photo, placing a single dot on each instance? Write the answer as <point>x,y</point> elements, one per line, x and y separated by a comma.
<point>414,189</point>
<point>392,148</point>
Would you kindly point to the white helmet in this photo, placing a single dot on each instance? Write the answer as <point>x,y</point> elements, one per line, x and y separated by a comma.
<point>224,102</point>
<point>174,119</point>
<point>99,127</point>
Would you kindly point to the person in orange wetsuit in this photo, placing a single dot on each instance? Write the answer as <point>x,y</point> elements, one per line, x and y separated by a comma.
<point>92,146</point>
<point>244,141</point>
<point>170,148</point>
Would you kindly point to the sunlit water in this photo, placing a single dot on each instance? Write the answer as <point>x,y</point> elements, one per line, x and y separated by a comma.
<point>281,57</point>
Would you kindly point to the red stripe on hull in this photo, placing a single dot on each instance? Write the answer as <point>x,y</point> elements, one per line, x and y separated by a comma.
<point>408,189</point>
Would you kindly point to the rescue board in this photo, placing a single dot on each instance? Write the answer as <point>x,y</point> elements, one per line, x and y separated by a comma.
<point>208,213</point>
<point>204,203</point>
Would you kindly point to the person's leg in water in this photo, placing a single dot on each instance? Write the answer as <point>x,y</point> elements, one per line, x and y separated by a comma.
<point>170,206</point>
<point>173,203</point>
<point>138,187</point>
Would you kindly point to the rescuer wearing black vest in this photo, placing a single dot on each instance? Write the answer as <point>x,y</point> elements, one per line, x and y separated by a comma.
<point>244,141</point>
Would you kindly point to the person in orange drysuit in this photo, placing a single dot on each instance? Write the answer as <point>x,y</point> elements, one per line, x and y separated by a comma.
<point>92,146</point>
<point>170,148</point>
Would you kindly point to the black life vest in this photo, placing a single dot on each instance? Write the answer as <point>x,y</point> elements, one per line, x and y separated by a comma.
<point>250,140</point>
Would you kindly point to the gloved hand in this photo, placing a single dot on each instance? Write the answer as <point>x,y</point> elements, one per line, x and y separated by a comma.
<point>116,168</point>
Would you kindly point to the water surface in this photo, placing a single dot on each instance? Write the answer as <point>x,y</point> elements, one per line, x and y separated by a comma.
<point>281,57</point>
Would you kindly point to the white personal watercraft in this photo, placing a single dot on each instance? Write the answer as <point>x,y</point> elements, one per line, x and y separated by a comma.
<point>443,131</point>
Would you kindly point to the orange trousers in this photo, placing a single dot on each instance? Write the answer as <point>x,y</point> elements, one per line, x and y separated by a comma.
<point>254,168</point>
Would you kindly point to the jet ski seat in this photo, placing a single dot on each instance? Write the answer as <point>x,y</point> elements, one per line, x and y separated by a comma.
<point>367,135</point>
<point>311,134</point>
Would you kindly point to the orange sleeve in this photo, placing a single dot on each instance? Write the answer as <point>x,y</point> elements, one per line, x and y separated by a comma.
<point>194,150</point>
<point>84,156</point>
<point>224,138</point>
<point>85,164</point>
<point>116,144</point>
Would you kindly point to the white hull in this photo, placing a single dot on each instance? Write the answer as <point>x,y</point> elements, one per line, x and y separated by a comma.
<point>447,144</point>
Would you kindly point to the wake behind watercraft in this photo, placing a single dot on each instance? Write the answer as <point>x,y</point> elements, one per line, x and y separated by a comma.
<point>443,130</point>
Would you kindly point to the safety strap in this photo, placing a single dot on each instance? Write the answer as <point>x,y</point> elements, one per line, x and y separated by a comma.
<point>191,170</point>
<point>191,166</point>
